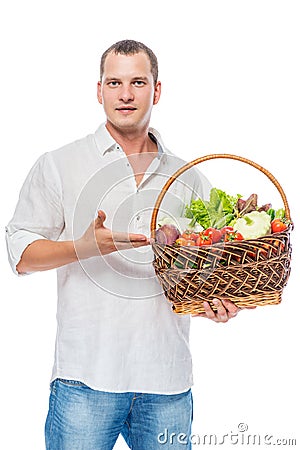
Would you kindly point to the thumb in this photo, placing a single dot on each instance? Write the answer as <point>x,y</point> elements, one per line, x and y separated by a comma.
<point>100,219</point>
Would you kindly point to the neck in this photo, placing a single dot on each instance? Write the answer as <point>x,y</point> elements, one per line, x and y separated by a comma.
<point>133,142</point>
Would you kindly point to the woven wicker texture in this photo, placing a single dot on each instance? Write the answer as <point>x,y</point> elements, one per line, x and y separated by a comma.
<point>249,272</point>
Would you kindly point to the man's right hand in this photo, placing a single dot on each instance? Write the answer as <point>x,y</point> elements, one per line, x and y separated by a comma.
<point>99,239</point>
<point>44,254</point>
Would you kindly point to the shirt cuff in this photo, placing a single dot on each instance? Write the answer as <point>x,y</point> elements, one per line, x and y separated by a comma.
<point>16,244</point>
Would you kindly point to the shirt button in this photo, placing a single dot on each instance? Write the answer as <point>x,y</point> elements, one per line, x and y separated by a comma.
<point>137,217</point>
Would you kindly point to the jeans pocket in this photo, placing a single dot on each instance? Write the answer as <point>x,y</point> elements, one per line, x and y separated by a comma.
<point>70,382</point>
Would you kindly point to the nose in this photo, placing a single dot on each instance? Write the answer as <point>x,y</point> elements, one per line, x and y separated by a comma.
<point>126,93</point>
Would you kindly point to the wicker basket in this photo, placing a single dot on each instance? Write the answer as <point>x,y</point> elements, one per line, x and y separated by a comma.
<point>249,272</point>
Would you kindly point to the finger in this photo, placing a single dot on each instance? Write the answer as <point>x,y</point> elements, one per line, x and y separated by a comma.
<point>128,237</point>
<point>231,308</point>
<point>140,243</point>
<point>100,219</point>
<point>248,307</point>
<point>208,311</point>
<point>124,245</point>
<point>221,313</point>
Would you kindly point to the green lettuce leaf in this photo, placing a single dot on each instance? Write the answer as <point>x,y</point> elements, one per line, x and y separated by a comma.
<point>218,211</point>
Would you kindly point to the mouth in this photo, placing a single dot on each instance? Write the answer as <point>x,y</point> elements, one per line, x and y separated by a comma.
<point>126,109</point>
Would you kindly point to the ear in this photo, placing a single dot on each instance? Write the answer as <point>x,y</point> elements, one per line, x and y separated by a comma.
<point>157,92</point>
<point>99,94</point>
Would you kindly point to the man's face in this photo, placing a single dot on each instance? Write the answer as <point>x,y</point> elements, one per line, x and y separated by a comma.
<point>127,91</point>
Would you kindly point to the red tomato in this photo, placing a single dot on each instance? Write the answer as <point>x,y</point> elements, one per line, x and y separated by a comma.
<point>214,233</point>
<point>203,240</point>
<point>277,225</point>
<point>233,236</point>
<point>224,230</point>
<point>238,236</point>
<point>184,242</point>
<point>186,234</point>
<point>180,241</point>
<point>189,235</point>
<point>190,242</point>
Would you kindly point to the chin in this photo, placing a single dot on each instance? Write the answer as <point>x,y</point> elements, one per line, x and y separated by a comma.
<point>124,125</point>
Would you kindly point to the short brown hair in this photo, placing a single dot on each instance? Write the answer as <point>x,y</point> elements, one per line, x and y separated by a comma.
<point>130,47</point>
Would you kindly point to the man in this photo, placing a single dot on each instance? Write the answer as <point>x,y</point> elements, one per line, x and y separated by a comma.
<point>122,363</point>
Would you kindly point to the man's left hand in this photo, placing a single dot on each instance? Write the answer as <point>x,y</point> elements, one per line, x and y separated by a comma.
<point>225,311</point>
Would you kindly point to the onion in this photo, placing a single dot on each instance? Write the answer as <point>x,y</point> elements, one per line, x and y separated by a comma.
<point>167,234</point>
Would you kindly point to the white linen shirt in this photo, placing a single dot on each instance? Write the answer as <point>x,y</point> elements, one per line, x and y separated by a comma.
<point>116,331</point>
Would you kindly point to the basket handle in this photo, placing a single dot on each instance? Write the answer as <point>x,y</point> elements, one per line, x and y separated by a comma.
<point>206,158</point>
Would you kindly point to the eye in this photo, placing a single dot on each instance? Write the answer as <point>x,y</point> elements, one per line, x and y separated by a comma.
<point>139,83</point>
<point>113,83</point>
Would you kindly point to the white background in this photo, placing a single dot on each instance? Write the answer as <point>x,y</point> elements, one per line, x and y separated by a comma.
<point>230,75</point>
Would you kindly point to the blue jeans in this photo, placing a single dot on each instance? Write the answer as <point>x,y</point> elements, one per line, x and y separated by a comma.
<point>80,418</point>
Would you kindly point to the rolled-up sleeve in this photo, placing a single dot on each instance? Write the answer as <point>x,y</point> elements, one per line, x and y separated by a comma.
<point>39,211</point>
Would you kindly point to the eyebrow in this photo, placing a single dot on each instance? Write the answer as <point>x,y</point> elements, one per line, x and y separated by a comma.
<point>142,78</point>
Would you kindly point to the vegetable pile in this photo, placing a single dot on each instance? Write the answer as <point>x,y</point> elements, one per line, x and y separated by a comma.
<point>222,218</point>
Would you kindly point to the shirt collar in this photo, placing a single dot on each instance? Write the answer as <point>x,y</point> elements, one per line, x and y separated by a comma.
<point>105,142</point>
